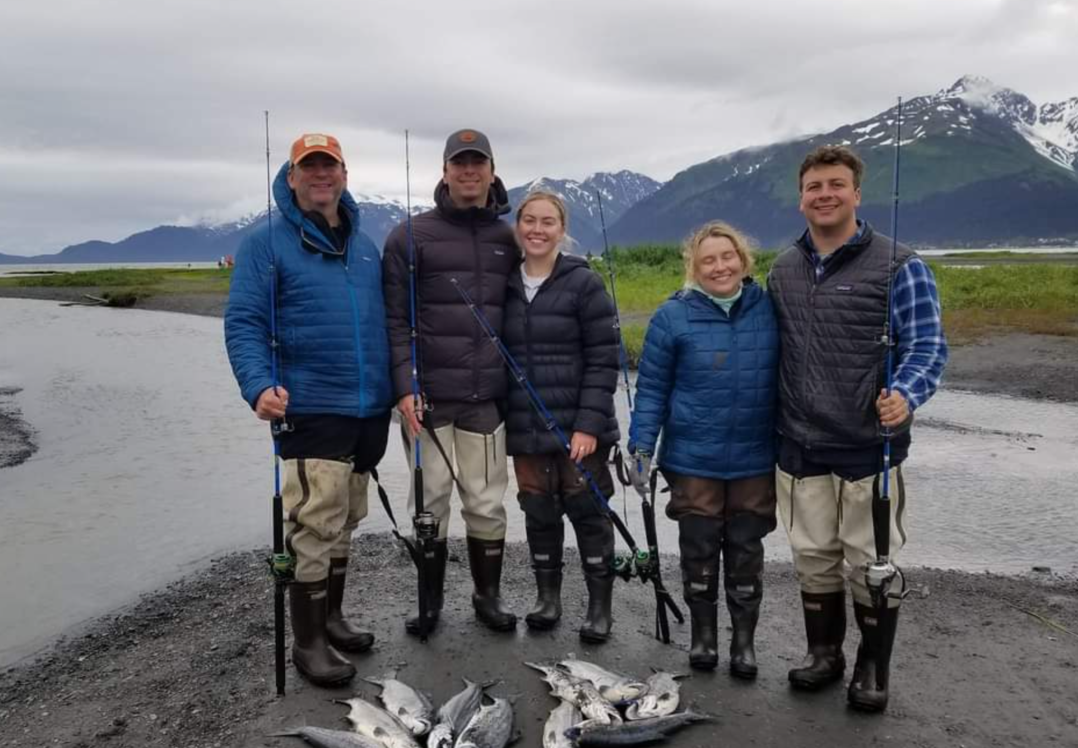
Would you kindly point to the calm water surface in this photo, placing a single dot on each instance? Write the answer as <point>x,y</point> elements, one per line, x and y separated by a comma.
<point>150,464</point>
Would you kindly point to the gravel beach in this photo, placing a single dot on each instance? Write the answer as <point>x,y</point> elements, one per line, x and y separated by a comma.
<point>981,660</point>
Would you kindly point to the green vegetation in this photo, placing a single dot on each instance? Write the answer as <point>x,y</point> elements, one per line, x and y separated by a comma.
<point>1009,294</point>
<point>130,284</point>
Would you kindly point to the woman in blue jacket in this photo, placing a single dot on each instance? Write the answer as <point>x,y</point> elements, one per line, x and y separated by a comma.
<point>707,383</point>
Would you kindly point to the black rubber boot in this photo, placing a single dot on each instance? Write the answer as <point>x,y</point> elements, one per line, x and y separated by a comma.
<point>435,589</point>
<point>485,557</point>
<point>700,540</point>
<point>868,688</point>
<point>743,551</point>
<point>825,629</point>
<point>342,634</point>
<point>595,540</point>
<point>546,542</point>
<point>312,654</point>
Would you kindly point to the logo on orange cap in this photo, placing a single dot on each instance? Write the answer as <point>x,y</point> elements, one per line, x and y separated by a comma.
<point>310,143</point>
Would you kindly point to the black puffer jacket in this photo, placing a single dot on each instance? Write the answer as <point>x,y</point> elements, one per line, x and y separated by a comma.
<point>456,360</point>
<point>567,345</point>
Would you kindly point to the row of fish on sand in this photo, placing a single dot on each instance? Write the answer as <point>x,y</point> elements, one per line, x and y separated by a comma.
<point>603,708</point>
<point>597,708</point>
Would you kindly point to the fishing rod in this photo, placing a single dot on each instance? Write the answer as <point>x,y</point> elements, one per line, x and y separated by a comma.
<point>424,523</point>
<point>647,503</point>
<point>640,562</point>
<point>880,574</point>
<point>282,566</point>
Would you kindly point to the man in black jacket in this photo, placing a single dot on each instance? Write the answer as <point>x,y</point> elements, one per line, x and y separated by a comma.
<point>460,375</point>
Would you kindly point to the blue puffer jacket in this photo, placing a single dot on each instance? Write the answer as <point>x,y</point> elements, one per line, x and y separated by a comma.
<point>331,325</point>
<point>708,381</point>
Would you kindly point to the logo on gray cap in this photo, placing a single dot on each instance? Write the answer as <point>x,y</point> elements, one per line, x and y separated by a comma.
<point>467,140</point>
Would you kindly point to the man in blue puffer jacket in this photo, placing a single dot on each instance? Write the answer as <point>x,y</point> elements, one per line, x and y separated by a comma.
<point>708,381</point>
<point>321,276</point>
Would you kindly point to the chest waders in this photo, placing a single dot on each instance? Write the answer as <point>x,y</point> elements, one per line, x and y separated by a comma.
<point>647,567</point>
<point>638,564</point>
<point>868,687</point>
<point>282,565</point>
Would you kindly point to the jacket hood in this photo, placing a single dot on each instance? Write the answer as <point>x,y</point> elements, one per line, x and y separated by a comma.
<point>286,205</point>
<point>497,204</point>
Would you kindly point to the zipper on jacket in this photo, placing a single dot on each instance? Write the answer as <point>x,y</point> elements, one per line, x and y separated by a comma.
<point>359,351</point>
<point>482,306</point>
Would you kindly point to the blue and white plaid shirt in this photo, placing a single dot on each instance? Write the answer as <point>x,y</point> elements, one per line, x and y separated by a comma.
<point>917,326</point>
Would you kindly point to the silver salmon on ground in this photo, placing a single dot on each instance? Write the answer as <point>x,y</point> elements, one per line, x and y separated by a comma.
<point>490,727</point>
<point>323,738</point>
<point>376,723</point>
<point>408,705</point>
<point>562,717</point>
<point>661,698</point>
<point>578,691</point>
<point>453,715</point>
<point>614,687</point>
<point>633,733</point>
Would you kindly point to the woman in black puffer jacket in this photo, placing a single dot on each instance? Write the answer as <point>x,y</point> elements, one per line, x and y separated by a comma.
<point>559,326</point>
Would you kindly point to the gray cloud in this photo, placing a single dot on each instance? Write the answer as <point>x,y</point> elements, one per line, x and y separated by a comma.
<point>121,115</point>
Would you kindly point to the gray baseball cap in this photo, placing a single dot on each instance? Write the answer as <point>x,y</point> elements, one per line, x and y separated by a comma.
<point>467,140</point>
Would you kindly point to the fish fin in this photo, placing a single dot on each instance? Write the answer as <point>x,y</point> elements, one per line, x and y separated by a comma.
<point>295,733</point>
<point>376,681</point>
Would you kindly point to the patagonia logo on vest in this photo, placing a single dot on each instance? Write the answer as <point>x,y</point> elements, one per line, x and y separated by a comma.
<point>844,288</point>
<point>499,252</point>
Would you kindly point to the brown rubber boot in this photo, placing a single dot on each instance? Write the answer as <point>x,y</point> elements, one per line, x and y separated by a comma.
<point>342,634</point>
<point>312,654</point>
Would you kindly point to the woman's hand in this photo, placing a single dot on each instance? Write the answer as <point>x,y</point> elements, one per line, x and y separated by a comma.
<point>581,445</point>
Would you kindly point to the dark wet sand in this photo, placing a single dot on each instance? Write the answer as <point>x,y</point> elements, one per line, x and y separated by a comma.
<point>192,665</point>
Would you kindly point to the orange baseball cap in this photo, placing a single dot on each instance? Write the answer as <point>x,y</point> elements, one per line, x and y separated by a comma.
<point>315,142</point>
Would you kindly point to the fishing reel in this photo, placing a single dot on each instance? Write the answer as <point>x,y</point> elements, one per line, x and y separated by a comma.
<point>880,577</point>
<point>280,426</point>
<point>628,565</point>
<point>282,567</point>
<point>425,525</point>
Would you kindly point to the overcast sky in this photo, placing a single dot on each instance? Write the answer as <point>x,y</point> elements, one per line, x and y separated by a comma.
<point>117,116</point>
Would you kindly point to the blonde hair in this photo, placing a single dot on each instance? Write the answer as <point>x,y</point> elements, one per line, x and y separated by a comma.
<point>559,205</point>
<point>715,230</point>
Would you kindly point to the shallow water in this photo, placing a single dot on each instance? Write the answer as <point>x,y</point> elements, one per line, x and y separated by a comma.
<point>150,464</point>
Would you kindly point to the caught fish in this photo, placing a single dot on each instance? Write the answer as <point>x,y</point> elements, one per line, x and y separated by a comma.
<point>615,687</point>
<point>632,733</point>
<point>490,727</point>
<point>377,724</point>
<point>562,717</point>
<point>452,716</point>
<point>580,692</point>
<point>323,738</point>
<point>408,705</point>
<point>661,698</point>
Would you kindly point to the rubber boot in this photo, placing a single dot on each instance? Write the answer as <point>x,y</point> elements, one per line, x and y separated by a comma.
<point>595,540</point>
<point>342,634</point>
<point>825,629</point>
<point>868,688</point>
<point>485,558</point>
<point>435,589</point>
<point>743,551</point>
<point>546,547</point>
<point>546,540</point>
<point>312,654</point>
<point>700,540</point>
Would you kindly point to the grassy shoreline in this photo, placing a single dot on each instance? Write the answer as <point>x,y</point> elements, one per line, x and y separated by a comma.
<point>1003,292</point>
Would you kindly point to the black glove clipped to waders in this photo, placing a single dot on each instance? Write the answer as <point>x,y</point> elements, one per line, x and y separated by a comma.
<point>700,541</point>
<point>595,540</point>
<point>435,583</point>
<point>825,629</point>
<point>546,543</point>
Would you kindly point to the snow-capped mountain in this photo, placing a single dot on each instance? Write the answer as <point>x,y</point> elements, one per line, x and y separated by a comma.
<point>981,164</point>
<point>619,192</point>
